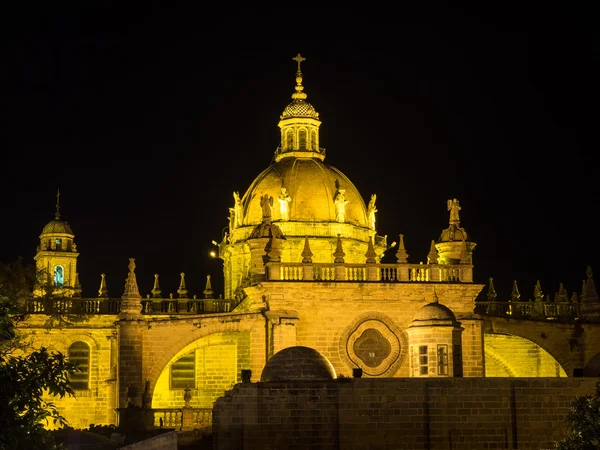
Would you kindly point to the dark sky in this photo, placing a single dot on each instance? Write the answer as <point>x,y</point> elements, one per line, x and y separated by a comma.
<point>148,118</point>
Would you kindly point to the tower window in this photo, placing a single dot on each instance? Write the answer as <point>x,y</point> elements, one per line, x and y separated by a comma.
<point>79,354</point>
<point>59,276</point>
<point>302,139</point>
<point>442,354</point>
<point>58,244</point>
<point>183,372</point>
<point>290,140</point>
<point>313,140</point>
<point>423,360</point>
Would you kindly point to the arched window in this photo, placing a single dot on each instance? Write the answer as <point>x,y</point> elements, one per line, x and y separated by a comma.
<point>302,139</point>
<point>79,354</point>
<point>183,372</point>
<point>59,276</point>
<point>290,140</point>
<point>313,140</point>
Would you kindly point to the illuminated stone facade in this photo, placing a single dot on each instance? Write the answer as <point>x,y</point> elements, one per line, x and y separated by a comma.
<point>302,267</point>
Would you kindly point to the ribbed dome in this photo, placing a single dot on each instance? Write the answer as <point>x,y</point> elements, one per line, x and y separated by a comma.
<point>435,311</point>
<point>299,108</point>
<point>312,186</point>
<point>297,364</point>
<point>57,227</point>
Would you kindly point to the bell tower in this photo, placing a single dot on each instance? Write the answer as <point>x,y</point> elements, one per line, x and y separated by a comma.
<point>56,259</point>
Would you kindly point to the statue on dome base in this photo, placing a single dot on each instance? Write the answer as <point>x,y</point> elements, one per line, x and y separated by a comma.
<point>371,210</point>
<point>454,208</point>
<point>340,205</point>
<point>284,204</point>
<point>266,201</point>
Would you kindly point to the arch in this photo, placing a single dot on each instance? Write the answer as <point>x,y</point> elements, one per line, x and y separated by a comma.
<point>204,328</point>
<point>494,358</point>
<point>59,276</point>
<point>553,338</point>
<point>289,140</point>
<point>68,338</point>
<point>519,357</point>
<point>302,139</point>
<point>217,362</point>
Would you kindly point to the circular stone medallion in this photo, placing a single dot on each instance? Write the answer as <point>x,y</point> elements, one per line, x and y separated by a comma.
<point>373,343</point>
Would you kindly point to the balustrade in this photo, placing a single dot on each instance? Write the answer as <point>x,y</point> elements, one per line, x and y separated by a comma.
<point>278,271</point>
<point>174,417</point>
<point>560,311</point>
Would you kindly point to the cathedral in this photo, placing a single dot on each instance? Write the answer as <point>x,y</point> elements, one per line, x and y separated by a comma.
<point>302,262</point>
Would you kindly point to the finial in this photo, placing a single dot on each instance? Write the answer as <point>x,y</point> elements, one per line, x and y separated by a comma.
<point>57,215</point>
<point>299,95</point>
<point>401,253</point>
<point>339,252</point>
<point>103,292</point>
<point>273,249</point>
<point>562,295</point>
<point>538,294</point>
<point>515,295</point>
<point>182,291</point>
<point>131,287</point>
<point>307,254</point>
<point>156,292</point>
<point>432,256</point>
<point>208,291</point>
<point>491,293</point>
<point>371,255</point>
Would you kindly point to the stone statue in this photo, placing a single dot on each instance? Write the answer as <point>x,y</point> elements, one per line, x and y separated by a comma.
<point>454,208</point>
<point>284,204</point>
<point>340,205</point>
<point>371,210</point>
<point>266,201</point>
<point>237,209</point>
<point>231,218</point>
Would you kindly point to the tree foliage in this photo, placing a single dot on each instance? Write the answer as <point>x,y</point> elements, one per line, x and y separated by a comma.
<point>24,412</point>
<point>28,377</point>
<point>584,423</point>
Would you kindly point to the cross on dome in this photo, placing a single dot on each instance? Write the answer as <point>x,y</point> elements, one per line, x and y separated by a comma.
<point>299,58</point>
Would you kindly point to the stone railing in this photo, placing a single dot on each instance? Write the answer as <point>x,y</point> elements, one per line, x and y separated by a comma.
<point>158,306</point>
<point>186,418</point>
<point>73,306</point>
<point>149,306</point>
<point>558,311</point>
<point>278,271</point>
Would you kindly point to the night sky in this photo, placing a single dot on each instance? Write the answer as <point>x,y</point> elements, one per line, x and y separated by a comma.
<point>148,118</point>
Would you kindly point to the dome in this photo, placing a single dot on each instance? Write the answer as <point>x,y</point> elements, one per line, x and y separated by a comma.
<point>57,227</point>
<point>299,108</point>
<point>435,311</point>
<point>297,364</point>
<point>312,186</point>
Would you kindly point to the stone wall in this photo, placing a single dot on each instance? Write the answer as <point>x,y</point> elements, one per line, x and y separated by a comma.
<point>399,413</point>
<point>97,403</point>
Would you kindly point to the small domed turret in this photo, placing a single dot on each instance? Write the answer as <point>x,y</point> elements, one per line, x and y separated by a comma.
<point>297,364</point>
